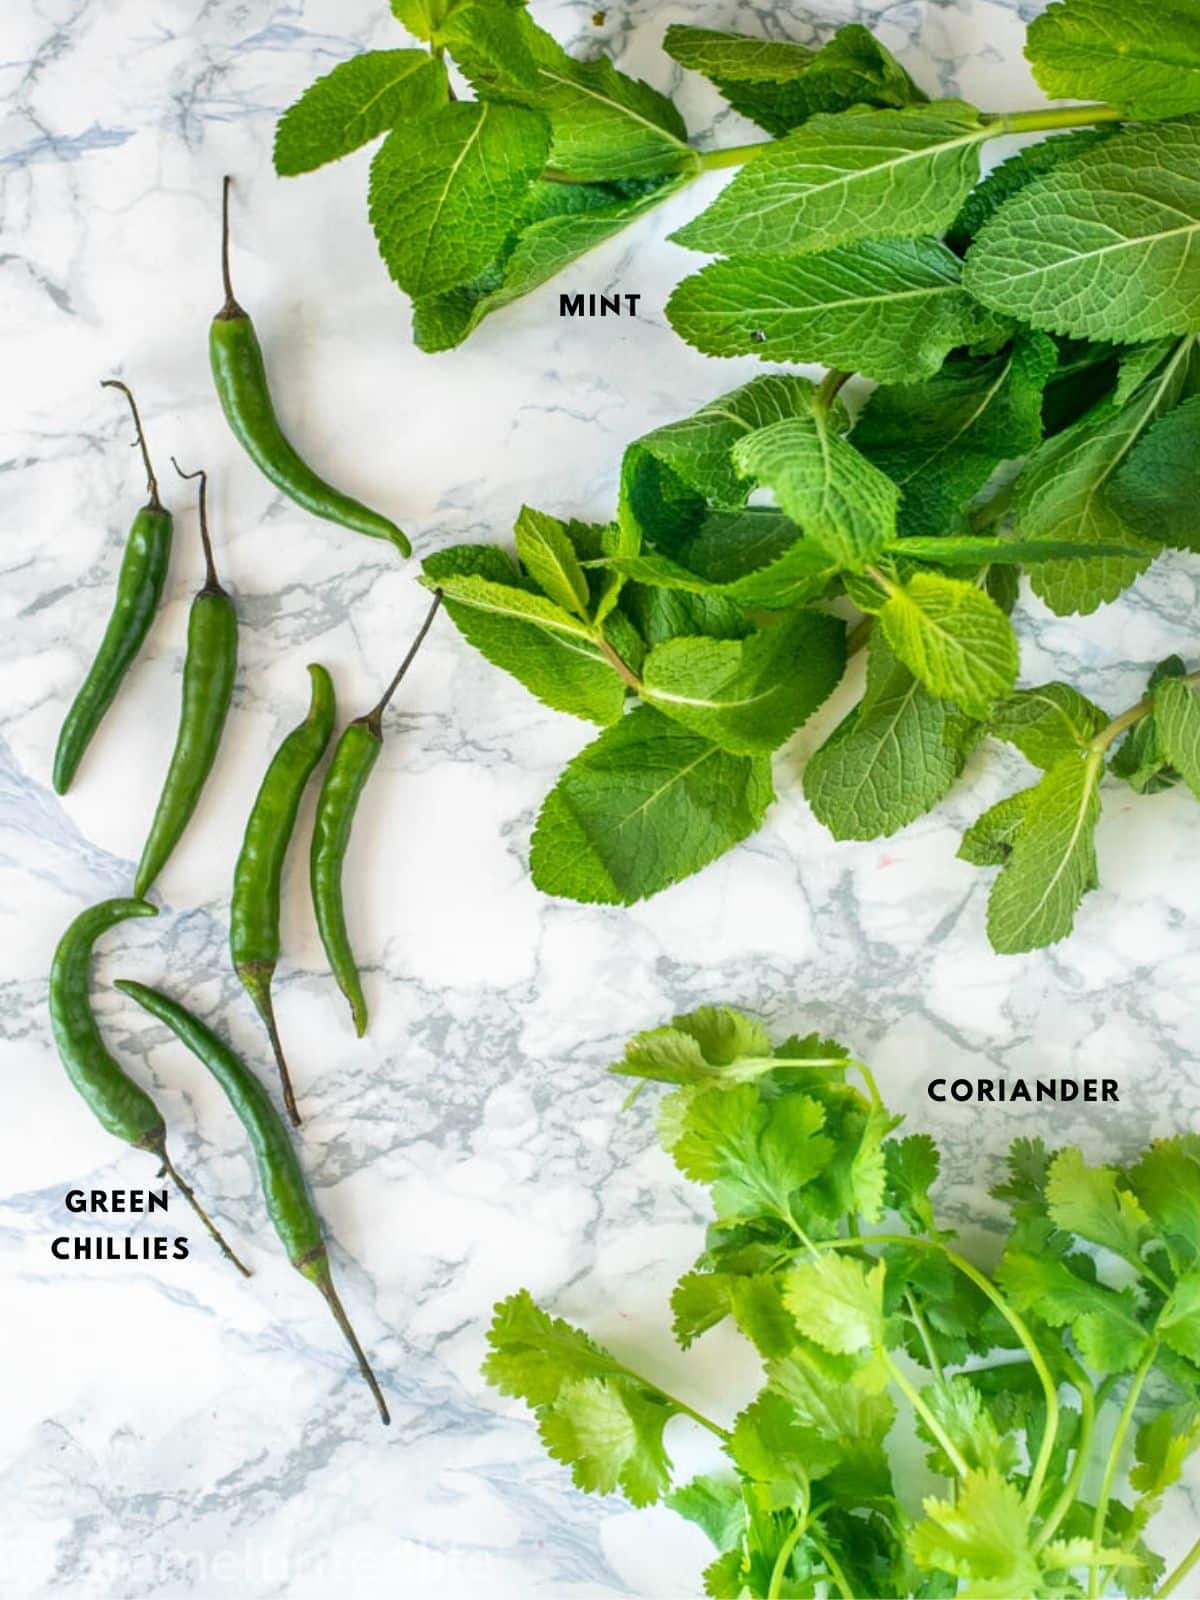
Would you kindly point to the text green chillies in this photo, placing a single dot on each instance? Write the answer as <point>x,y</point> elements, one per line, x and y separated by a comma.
<point>121,1106</point>
<point>354,757</point>
<point>245,395</point>
<point>139,590</point>
<point>288,1202</point>
<point>254,912</point>
<point>209,669</point>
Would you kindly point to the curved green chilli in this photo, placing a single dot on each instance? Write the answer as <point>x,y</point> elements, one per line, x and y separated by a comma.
<point>354,758</point>
<point>209,669</point>
<point>121,1106</point>
<point>288,1202</point>
<point>254,910</point>
<point>245,395</point>
<point>139,590</point>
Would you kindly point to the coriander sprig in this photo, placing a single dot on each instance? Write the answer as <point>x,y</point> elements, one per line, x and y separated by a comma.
<point>875,1302</point>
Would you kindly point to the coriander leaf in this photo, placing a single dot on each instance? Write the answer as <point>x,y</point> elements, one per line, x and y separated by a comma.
<point>848,1415</point>
<point>1011,176</point>
<point>1053,861</point>
<point>1147,62</point>
<point>605,125</point>
<point>1064,491</point>
<point>748,696</point>
<point>712,1045</point>
<point>532,1354</point>
<point>1105,246</point>
<point>545,648</point>
<point>558,223</point>
<point>644,805</point>
<point>778,1454</point>
<point>1091,1202</point>
<point>1028,1165</point>
<point>913,1164</point>
<point>842,502</point>
<point>1177,718</point>
<point>1155,491</point>
<point>984,1535</point>
<point>699,1301</point>
<point>892,758</point>
<point>940,441</point>
<point>753,1155</point>
<point>954,638</point>
<point>890,308</point>
<point>958,1407</point>
<point>837,1302</point>
<point>758,1309</point>
<point>714,1505</point>
<point>1105,1323</point>
<point>989,841</point>
<point>547,554</point>
<point>1167,1182</point>
<point>1179,1321</point>
<point>355,103</point>
<point>861,174</point>
<point>1047,723</point>
<point>699,448</point>
<point>611,1436</point>
<point>446,191</point>
<point>1163,1446</point>
<point>780,85</point>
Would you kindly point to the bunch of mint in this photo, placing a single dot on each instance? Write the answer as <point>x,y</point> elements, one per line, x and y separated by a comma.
<point>826,1253</point>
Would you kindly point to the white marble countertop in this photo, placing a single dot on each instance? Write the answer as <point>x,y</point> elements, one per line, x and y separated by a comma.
<point>169,1430</point>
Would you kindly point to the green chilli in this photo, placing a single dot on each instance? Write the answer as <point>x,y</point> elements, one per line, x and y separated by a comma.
<point>288,1202</point>
<point>245,395</point>
<point>354,758</point>
<point>121,1106</point>
<point>139,590</point>
<point>254,911</point>
<point>209,669</point>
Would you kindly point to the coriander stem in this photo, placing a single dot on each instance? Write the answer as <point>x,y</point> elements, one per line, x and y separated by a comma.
<point>679,1405</point>
<point>835,1571</point>
<point>922,1328</point>
<point>931,1422</point>
<point>1090,1400</point>
<point>779,1570</point>
<point>1114,1456</point>
<point>1016,1322</point>
<point>831,1061</point>
<point>1180,1573</point>
<point>1045,119</point>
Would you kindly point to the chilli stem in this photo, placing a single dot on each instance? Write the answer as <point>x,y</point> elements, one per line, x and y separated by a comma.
<point>325,1284</point>
<point>211,581</point>
<point>260,993</point>
<point>374,717</point>
<point>188,1194</point>
<point>140,440</point>
<point>231,308</point>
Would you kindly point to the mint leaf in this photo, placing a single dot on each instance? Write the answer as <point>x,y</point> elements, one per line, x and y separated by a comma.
<point>892,758</point>
<point>975,551</point>
<point>558,223</point>
<point>355,103</point>
<point>989,841</point>
<point>954,638</point>
<point>544,647</point>
<point>803,572</point>
<point>780,85</point>
<point>1053,861</point>
<point>842,502</point>
<point>748,696</point>
<point>890,309</point>
<point>446,191</point>
<point>547,554</point>
<point>699,448</point>
<point>1064,491</point>
<point>1105,246</point>
<point>838,179</point>
<point>424,18</point>
<point>941,441</point>
<point>1155,490</point>
<point>1177,718</point>
<point>645,804</point>
<point>1047,723</point>
<point>1011,176</point>
<point>1145,61</point>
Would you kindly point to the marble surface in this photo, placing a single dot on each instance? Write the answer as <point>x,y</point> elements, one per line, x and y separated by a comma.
<point>169,1430</point>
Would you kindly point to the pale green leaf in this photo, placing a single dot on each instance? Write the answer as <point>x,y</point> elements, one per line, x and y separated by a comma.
<point>837,1302</point>
<point>1177,719</point>
<point>982,1534</point>
<point>754,1154</point>
<point>1145,59</point>
<point>611,1436</point>
<point>1104,247</point>
<point>532,1354</point>
<point>646,804</point>
<point>823,484</point>
<point>1091,1202</point>
<point>748,695</point>
<point>890,309</point>
<point>1167,1182</point>
<point>954,638</point>
<point>424,18</point>
<point>355,103</point>
<point>1053,861</point>
<point>445,192</point>
<point>858,175</point>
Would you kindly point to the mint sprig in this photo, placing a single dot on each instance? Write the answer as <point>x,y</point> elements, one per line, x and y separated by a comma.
<point>825,1253</point>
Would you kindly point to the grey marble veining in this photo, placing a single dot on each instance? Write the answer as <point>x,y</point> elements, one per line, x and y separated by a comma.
<point>169,1430</point>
